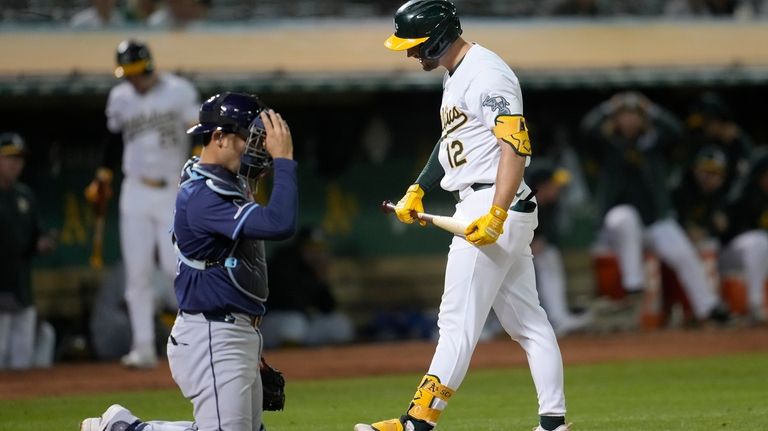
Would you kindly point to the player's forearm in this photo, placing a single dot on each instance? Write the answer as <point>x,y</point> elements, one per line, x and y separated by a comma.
<point>277,220</point>
<point>432,173</point>
<point>509,176</point>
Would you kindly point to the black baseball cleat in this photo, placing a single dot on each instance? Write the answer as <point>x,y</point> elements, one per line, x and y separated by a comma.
<point>720,314</point>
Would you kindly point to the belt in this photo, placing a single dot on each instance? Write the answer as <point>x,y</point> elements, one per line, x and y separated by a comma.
<point>225,316</point>
<point>476,187</point>
<point>154,183</point>
<point>524,205</point>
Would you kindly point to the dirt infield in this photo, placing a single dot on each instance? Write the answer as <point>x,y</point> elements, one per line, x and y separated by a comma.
<point>389,358</point>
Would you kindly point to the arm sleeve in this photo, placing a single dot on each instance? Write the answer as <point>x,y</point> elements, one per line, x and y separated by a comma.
<point>276,220</point>
<point>233,219</point>
<point>433,171</point>
<point>112,150</point>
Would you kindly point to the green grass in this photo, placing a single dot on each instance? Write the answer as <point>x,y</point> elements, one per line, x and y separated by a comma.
<point>724,393</point>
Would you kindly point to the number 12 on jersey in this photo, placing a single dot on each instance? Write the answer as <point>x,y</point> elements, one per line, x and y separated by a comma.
<point>455,152</point>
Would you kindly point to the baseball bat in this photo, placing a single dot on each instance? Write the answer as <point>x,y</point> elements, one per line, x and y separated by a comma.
<point>450,224</point>
<point>100,211</point>
<point>97,246</point>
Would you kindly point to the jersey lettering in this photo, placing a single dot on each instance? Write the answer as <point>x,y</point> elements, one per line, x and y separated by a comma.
<point>452,119</point>
<point>166,123</point>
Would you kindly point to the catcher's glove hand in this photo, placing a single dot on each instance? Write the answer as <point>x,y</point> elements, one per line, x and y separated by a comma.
<point>410,204</point>
<point>487,228</point>
<point>273,386</point>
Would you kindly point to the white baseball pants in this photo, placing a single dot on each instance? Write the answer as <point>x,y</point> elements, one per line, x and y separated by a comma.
<point>550,278</point>
<point>749,252</point>
<point>501,276</point>
<point>17,338</point>
<point>624,233</point>
<point>146,217</point>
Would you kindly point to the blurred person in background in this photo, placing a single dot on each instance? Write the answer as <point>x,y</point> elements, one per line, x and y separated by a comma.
<point>714,8</point>
<point>711,122</point>
<point>147,115</point>
<point>737,230</point>
<point>138,11</point>
<point>700,198</point>
<point>748,236</point>
<point>101,14</point>
<point>549,180</point>
<point>177,14</point>
<point>302,308</point>
<point>628,136</point>
<point>22,237</point>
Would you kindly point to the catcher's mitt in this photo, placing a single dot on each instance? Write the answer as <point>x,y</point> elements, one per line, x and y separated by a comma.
<point>273,386</point>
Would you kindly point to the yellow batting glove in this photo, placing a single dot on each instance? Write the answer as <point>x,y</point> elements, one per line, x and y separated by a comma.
<point>487,228</point>
<point>410,204</point>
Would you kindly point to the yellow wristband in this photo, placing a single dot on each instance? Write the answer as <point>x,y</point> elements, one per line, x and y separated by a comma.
<point>498,212</point>
<point>415,188</point>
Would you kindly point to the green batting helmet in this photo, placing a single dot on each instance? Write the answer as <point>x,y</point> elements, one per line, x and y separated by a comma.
<point>133,58</point>
<point>433,24</point>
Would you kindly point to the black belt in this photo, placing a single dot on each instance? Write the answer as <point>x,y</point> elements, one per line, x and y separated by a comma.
<point>225,316</point>
<point>522,205</point>
<point>476,187</point>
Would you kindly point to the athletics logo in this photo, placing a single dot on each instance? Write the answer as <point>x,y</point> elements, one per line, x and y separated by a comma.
<point>497,103</point>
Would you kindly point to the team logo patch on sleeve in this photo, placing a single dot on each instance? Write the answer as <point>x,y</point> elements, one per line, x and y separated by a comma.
<point>497,103</point>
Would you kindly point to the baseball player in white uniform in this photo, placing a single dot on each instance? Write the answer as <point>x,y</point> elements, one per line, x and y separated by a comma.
<point>149,112</point>
<point>482,154</point>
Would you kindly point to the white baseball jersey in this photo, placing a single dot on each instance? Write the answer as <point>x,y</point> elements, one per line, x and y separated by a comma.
<point>480,89</point>
<point>499,275</point>
<point>153,126</point>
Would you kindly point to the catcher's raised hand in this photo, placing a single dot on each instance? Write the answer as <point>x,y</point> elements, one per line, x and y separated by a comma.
<point>410,204</point>
<point>279,142</point>
<point>487,228</point>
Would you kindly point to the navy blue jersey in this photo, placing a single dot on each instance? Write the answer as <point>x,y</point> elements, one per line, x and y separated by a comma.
<point>208,220</point>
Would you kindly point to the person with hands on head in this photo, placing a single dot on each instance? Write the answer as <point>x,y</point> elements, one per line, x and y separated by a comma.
<point>215,346</point>
<point>480,158</point>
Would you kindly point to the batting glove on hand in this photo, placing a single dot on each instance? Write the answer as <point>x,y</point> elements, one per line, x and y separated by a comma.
<point>487,228</point>
<point>99,191</point>
<point>410,204</point>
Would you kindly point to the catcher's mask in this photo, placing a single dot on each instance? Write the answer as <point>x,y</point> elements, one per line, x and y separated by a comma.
<point>433,24</point>
<point>238,113</point>
<point>255,161</point>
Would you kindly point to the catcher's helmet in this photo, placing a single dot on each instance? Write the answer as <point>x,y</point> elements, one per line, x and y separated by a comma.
<point>238,113</point>
<point>432,23</point>
<point>11,144</point>
<point>133,58</point>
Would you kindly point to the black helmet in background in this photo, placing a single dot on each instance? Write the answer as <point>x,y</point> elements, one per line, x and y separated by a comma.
<point>133,58</point>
